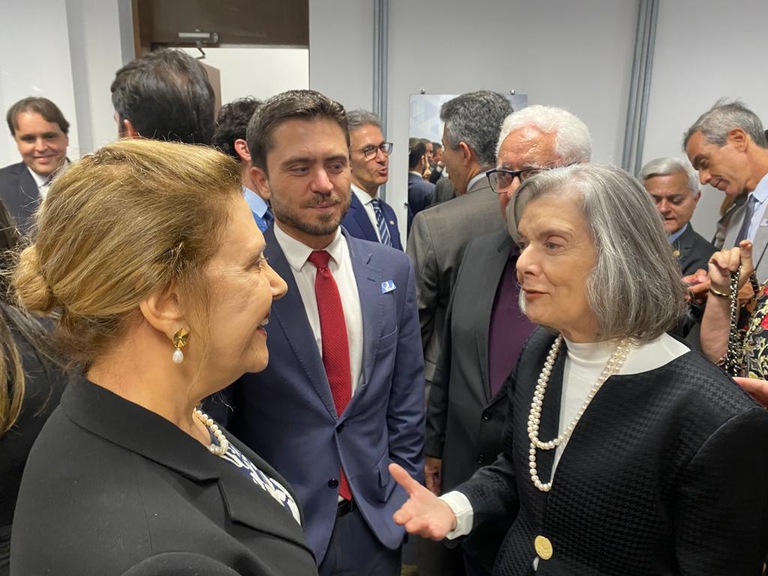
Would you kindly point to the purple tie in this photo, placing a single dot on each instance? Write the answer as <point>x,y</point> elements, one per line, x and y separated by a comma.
<point>509,328</point>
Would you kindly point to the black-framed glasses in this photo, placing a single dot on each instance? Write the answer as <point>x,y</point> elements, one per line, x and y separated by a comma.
<point>370,151</point>
<point>501,179</point>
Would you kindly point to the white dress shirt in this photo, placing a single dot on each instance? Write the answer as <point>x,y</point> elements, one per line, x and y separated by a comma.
<point>340,266</point>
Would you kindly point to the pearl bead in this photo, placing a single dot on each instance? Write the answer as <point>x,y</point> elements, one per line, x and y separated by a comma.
<point>178,356</point>
<point>222,444</point>
<point>614,364</point>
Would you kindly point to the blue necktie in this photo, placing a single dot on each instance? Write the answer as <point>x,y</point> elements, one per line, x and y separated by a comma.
<point>749,212</point>
<point>381,223</point>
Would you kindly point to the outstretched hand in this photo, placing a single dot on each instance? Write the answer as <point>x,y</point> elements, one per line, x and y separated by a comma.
<point>423,513</point>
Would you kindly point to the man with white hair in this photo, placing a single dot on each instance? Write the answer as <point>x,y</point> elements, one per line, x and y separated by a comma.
<point>674,187</point>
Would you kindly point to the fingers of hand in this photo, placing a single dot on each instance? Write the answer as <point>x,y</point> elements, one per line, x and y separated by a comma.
<point>403,478</point>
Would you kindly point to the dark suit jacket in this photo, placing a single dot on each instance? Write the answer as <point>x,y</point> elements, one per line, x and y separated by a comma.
<point>19,193</point>
<point>420,193</point>
<point>436,246</point>
<point>665,474</point>
<point>43,386</point>
<point>287,412</point>
<point>465,424</point>
<point>111,488</point>
<point>358,224</point>
<point>693,251</point>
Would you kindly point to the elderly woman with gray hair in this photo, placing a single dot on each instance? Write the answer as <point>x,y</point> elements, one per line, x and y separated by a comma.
<point>625,452</point>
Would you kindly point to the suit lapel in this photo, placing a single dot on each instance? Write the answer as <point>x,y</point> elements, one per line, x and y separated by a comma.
<point>495,264</point>
<point>360,216</point>
<point>368,279</point>
<point>290,315</point>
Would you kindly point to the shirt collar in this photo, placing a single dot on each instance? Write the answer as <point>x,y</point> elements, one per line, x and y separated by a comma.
<point>675,235</point>
<point>297,252</point>
<point>476,178</point>
<point>760,193</point>
<point>362,195</point>
<point>39,180</point>
<point>256,202</point>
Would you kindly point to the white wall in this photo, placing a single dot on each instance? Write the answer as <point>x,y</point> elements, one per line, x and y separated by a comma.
<point>576,55</point>
<point>572,54</point>
<point>704,50</point>
<point>35,61</point>
<point>258,72</point>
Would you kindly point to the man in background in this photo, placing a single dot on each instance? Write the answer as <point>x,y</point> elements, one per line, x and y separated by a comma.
<point>728,147</point>
<point>369,216</point>
<point>164,95</point>
<point>419,190</point>
<point>230,138</point>
<point>41,134</point>
<point>674,188</point>
<point>438,236</point>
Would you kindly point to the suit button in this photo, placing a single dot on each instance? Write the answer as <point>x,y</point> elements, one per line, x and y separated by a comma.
<point>487,414</point>
<point>481,459</point>
<point>333,483</point>
<point>340,427</point>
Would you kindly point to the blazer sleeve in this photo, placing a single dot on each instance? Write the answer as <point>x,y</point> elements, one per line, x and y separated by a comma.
<point>492,490</point>
<point>721,515</point>
<point>405,414</point>
<point>421,249</point>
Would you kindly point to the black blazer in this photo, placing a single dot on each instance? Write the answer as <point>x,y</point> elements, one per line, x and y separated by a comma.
<point>111,488</point>
<point>19,193</point>
<point>692,251</point>
<point>665,474</point>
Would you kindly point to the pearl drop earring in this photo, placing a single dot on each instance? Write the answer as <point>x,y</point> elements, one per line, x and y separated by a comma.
<point>179,341</point>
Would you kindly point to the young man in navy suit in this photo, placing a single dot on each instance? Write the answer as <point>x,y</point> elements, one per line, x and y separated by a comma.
<point>369,217</point>
<point>340,399</point>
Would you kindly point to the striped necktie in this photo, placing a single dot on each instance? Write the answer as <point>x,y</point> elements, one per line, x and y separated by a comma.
<point>381,223</point>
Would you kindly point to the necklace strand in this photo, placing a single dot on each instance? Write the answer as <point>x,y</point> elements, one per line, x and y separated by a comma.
<point>614,364</point>
<point>219,448</point>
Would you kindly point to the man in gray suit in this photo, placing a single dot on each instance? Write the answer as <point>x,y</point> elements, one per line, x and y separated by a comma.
<point>41,134</point>
<point>436,242</point>
<point>727,145</point>
<point>485,329</point>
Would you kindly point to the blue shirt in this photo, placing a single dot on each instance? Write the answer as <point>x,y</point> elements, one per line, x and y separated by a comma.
<point>260,209</point>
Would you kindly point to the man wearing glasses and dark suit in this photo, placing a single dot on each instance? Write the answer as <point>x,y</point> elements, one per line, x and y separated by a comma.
<point>369,217</point>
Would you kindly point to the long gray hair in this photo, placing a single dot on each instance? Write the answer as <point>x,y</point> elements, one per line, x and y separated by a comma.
<point>634,289</point>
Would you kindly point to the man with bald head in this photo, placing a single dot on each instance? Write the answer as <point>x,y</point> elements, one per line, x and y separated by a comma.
<point>485,328</point>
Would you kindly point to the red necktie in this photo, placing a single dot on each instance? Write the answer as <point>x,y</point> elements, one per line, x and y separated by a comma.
<point>333,330</point>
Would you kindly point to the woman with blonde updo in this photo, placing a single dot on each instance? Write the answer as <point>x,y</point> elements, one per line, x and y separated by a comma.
<point>150,259</point>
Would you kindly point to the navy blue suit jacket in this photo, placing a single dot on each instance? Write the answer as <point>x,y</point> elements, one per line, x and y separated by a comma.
<point>358,224</point>
<point>19,193</point>
<point>286,413</point>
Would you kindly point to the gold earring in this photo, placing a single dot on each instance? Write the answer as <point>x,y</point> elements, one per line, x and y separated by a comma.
<point>179,341</point>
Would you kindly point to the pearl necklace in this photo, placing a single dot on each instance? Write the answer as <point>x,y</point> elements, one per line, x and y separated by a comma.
<point>222,444</point>
<point>612,367</point>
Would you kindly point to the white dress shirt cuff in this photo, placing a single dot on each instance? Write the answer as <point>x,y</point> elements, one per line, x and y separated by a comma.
<point>461,507</point>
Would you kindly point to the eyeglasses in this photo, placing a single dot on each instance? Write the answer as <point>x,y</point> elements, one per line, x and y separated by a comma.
<point>370,151</point>
<point>501,178</point>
